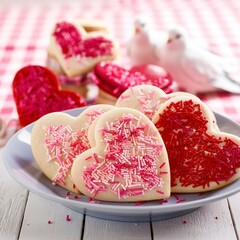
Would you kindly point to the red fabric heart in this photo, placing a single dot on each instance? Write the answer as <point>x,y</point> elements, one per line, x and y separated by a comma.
<point>36,92</point>
<point>72,43</point>
<point>198,155</point>
<point>115,79</point>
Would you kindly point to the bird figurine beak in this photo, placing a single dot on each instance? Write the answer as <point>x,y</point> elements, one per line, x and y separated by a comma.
<point>169,40</point>
<point>137,30</point>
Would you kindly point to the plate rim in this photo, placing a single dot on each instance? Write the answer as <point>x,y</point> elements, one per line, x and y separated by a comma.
<point>117,209</point>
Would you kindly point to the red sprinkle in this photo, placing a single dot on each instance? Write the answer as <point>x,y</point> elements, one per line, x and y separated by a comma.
<point>163,164</point>
<point>181,200</point>
<point>50,222</point>
<point>176,196</point>
<point>139,203</point>
<point>162,172</point>
<point>68,219</point>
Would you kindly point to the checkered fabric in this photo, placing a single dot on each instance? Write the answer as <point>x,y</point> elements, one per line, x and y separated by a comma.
<point>25,31</point>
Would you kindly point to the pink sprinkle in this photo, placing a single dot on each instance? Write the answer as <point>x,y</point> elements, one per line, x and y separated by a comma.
<point>96,157</point>
<point>76,197</point>
<point>139,203</point>
<point>123,97</point>
<point>68,219</point>
<point>158,191</point>
<point>50,222</point>
<point>162,172</point>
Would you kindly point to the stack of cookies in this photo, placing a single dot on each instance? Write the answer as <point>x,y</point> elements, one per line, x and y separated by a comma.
<point>75,47</point>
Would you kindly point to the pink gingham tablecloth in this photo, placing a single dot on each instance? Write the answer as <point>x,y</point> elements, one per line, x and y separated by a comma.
<point>25,31</point>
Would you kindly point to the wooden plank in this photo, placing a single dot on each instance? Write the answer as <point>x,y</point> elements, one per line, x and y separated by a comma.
<point>45,219</point>
<point>212,221</point>
<point>103,230</point>
<point>235,211</point>
<point>12,204</point>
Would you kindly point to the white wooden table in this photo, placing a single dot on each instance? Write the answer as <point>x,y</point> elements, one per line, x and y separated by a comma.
<point>26,216</point>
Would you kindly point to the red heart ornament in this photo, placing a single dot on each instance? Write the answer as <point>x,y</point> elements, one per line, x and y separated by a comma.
<point>115,79</point>
<point>36,92</point>
<point>201,158</point>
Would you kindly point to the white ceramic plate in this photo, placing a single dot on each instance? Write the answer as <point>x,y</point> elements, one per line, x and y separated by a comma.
<point>20,164</point>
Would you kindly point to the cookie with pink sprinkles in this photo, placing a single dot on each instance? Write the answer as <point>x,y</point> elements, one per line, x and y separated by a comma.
<point>129,162</point>
<point>78,51</point>
<point>58,138</point>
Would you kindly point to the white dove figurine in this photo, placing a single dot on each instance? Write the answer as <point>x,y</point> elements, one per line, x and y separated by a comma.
<point>141,48</point>
<point>195,69</point>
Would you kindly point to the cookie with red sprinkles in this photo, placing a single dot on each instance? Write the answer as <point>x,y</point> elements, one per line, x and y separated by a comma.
<point>129,162</point>
<point>113,79</point>
<point>201,158</point>
<point>58,138</point>
<point>148,99</point>
<point>77,51</point>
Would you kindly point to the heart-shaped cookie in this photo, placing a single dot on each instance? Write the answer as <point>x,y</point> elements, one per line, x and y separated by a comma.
<point>57,138</point>
<point>115,79</point>
<point>36,92</point>
<point>148,99</point>
<point>201,158</point>
<point>78,51</point>
<point>129,162</point>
